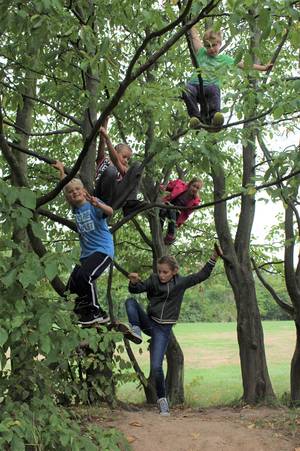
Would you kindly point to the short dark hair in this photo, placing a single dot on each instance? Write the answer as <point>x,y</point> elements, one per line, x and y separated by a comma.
<point>168,260</point>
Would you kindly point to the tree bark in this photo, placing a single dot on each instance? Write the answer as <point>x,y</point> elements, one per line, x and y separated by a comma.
<point>256,382</point>
<point>295,368</point>
<point>175,373</point>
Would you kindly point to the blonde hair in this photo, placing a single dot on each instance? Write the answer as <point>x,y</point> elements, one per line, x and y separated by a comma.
<point>74,181</point>
<point>168,260</point>
<point>211,36</point>
<point>120,147</point>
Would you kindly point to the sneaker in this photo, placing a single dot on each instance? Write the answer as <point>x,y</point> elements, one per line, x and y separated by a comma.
<point>163,407</point>
<point>169,239</point>
<point>195,122</point>
<point>93,318</point>
<point>135,335</point>
<point>132,333</point>
<point>218,119</point>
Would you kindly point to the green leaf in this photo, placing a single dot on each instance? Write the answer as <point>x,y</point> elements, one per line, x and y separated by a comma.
<point>51,269</point>
<point>28,276</point>
<point>45,322</point>
<point>38,230</point>
<point>45,344</point>
<point>10,277</point>
<point>27,198</point>
<point>3,336</point>
<point>17,444</point>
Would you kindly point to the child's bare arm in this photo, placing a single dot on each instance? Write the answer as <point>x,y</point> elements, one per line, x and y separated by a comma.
<point>98,204</point>
<point>134,277</point>
<point>260,67</point>
<point>196,41</point>
<point>102,142</point>
<point>61,168</point>
<point>113,153</point>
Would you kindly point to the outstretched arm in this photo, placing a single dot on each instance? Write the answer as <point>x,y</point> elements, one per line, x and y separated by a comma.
<point>260,67</point>
<point>114,156</point>
<point>195,38</point>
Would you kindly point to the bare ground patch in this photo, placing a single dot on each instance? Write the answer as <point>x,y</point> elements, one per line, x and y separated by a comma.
<point>212,429</point>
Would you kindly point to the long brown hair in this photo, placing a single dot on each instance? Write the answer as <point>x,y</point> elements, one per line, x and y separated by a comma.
<point>168,260</point>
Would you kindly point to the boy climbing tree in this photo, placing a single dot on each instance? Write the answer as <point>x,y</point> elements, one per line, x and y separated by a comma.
<point>211,67</point>
<point>97,249</point>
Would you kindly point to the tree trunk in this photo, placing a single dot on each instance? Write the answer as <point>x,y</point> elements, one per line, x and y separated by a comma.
<point>175,373</point>
<point>256,382</point>
<point>21,354</point>
<point>87,170</point>
<point>295,368</point>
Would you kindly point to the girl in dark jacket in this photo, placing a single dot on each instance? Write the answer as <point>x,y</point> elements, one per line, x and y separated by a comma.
<point>165,291</point>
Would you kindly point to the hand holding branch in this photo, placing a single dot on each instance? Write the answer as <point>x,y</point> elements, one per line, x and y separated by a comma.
<point>134,277</point>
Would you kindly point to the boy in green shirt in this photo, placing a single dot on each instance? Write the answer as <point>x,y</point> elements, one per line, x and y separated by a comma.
<point>211,65</point>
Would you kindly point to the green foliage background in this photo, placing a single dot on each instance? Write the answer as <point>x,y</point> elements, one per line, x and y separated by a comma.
<point>61,63</point>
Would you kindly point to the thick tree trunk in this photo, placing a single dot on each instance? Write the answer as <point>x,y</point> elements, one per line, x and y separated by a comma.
<point>256,382</point>
<point>295,368</point>
<point>293,287</point>
<point>175,373</point>
<point>21,354</point>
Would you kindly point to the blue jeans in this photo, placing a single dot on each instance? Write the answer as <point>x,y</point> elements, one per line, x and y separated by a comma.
<point>160,335</point>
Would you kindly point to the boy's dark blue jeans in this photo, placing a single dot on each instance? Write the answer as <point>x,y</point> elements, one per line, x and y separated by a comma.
<point>191,97</point>
<point>160,335</point>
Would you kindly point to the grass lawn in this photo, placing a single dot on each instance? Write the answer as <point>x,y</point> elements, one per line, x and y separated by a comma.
<point>212,368</point>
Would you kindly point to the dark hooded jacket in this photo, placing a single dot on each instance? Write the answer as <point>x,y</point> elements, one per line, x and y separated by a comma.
<point>165,298</point>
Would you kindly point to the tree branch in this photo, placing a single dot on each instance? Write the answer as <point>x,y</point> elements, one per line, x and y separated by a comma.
<point>45,102</point>
<point>53,132</point>
<point>128,79</point>
<point>288,308</point>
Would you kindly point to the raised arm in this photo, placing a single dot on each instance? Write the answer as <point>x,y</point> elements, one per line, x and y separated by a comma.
<point>113,154</point>
<point>102,143</point>
<point>195,37</point>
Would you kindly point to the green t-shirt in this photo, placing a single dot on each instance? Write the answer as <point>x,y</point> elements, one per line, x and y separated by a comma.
<point>212,68</point>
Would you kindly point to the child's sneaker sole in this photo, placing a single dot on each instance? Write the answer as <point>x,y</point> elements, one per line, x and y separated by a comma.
<point>194,122</point>
<point>126,330</point>
<point>218,120</point>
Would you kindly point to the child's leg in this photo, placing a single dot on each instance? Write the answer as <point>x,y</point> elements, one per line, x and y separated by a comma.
<point>163,214</point>
<point>191,98</point>
<point>172,216</point>
<point>137,316</point>
<point>106,185</point>
<point>159,342</point>
<point>82,283</point>
<point>213,97</point>
<point>127,188</point>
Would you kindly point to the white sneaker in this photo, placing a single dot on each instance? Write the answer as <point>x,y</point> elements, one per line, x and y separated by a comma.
<point>163,407</point>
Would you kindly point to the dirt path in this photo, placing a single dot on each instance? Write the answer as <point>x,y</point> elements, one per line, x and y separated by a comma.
<point>223,429</point>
